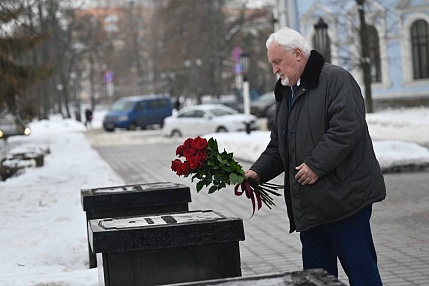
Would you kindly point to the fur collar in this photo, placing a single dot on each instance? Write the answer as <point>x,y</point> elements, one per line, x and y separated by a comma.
<point>310,76</point>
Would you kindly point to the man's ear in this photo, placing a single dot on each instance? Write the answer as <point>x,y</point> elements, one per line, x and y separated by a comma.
<point>298,54</point>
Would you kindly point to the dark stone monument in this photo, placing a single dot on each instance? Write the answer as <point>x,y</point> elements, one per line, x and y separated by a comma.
<point>133,200</point>
<point>311,277</point>
<point>167,248</point>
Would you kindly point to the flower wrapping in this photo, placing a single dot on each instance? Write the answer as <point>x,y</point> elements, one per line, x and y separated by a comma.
<point>215,170</point>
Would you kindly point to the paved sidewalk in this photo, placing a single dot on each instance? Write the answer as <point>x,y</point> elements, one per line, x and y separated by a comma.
<point>400,223</point>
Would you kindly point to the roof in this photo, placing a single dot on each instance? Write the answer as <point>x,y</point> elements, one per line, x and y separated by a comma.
<point>140,97</point>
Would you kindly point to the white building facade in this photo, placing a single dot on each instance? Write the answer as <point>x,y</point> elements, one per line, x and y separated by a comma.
<point>398,39</point>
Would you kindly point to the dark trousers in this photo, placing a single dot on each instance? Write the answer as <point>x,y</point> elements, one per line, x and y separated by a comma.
<point>351,241</point>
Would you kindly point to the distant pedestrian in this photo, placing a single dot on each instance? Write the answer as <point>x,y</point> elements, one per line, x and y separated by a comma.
<point>88,118</point>
<point>320,139</point>
<point>177,104</point>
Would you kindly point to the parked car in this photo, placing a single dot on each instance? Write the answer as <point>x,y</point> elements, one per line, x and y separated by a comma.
<point>12,125</point>
<point>137,112</point>
<point>260,106</point>
<point>271,113</point>
<point>234,104</point>
<point>207,118</point>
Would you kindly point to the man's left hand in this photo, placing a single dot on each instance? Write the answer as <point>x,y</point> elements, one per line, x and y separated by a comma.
<point>305,175</point>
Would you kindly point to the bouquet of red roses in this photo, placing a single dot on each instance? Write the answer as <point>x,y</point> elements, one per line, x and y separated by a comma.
<point>216,170</point>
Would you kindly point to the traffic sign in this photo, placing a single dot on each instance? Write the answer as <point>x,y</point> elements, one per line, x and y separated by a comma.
<point>236,52</point>
<point>108,76</point>
<point>237,68</point>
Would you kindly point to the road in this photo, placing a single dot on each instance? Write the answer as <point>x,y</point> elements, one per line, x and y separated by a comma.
<point>400,223</point>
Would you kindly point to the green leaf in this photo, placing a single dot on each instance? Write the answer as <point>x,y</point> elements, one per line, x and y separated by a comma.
<point>212,189</point>
<point>213,145</point>
<point>200,185</point>
<point>220,159</point>
<point>235,179</point>
<point>228,156</point>
<point>227,169</point>
<point>236,166</point>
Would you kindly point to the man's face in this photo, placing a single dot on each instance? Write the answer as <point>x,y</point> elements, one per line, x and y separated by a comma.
<point>288,65</point>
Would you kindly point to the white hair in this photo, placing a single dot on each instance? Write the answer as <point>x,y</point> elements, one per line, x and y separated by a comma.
<point>289,39</point>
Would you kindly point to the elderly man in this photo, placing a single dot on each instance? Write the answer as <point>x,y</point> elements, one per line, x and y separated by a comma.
<point>320,139</point>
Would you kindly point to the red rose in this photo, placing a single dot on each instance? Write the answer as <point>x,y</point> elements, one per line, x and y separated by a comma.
<point>201,156</point>
<point>194,163</point>
<point>176,165</point>
<point>189,153</point>
<point>185,169</point>
<point>179,150</point>
<point>181,168</point>
<point>188,143</point>
<point>200,143</point>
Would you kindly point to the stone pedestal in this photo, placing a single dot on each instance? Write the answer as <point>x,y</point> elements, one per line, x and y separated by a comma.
<point>167,248</point>
<point>133,200</point>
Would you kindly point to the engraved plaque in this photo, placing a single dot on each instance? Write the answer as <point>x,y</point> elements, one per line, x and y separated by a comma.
<point>155,220</point>
<point>135,188</point>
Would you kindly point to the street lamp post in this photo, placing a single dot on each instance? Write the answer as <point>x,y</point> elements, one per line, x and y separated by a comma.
<point>60,102</point>
<point>244,62</point>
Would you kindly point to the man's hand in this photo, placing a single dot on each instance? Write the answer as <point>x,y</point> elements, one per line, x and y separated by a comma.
<point>305,175</point>
<point>252,175</point>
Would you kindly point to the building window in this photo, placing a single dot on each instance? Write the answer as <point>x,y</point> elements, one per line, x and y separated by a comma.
<point>374,54</point>
<point>420,49</point>
<point>321,41</point>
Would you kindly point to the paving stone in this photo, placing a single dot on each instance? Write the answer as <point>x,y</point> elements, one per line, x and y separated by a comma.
<point>399,243</point>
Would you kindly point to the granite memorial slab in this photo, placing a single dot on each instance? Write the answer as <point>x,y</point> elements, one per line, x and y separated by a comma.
<point>167,248</point>
<point>130,200</point>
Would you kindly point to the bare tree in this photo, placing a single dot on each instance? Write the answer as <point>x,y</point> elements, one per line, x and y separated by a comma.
<point>352,20</point>
<point>197,38</point>
<point>98,46</point>
<point>70,39</point>
<point>191,40</point>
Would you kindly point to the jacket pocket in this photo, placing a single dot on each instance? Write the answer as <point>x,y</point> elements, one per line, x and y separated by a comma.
<point>322,201</point>
<point>333,179</point>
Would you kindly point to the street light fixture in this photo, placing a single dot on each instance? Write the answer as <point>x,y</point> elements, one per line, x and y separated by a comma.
<point>244,62</point>
<point>321,39</point>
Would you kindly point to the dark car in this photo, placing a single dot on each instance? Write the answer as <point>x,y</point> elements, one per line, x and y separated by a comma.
<point>12,125</point>
<point>271,113</point>
<point>137,112</point>
<point>260,106</point>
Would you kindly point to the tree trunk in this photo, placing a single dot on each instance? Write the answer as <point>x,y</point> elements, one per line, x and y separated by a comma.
<point>365,59</point>
<point>44,58</point>
<point>92,79</point>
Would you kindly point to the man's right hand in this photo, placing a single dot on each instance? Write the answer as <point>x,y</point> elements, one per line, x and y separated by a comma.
<point>252,175</point>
